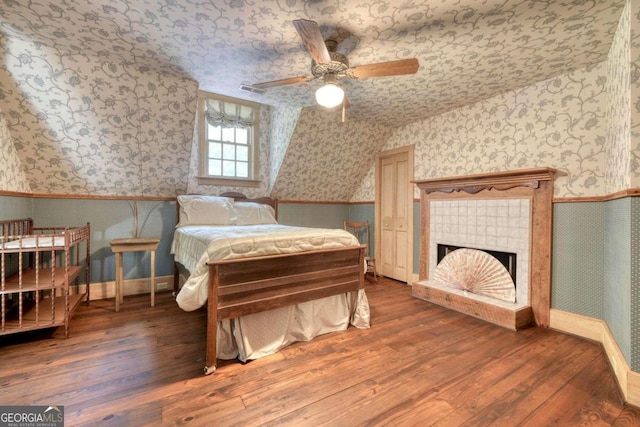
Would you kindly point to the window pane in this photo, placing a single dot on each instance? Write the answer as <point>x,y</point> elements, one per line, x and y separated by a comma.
<point>242,136</point>
<point>215,167</point>
<point>228,134</point>
<point>214,132</point>
<point>229,152</point>
<point>215,150</point>
<point>242,169</point>
<point>228,168</point>
<point>242,153</point>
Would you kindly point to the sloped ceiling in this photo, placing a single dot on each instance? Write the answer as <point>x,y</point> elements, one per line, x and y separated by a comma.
<point>99,96</point>
<point>468,50</point>
<point>327,159</point>
<point>83,126</point>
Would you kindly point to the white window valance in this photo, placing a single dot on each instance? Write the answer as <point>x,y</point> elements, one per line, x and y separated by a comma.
<point>228,114</point>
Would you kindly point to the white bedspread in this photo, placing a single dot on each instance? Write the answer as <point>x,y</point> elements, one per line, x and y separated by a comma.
<point>193,246</point>
<point>264,333</point>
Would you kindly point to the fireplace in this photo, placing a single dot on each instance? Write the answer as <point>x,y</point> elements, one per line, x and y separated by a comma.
<point>497,213</point>
<point>494,225</point>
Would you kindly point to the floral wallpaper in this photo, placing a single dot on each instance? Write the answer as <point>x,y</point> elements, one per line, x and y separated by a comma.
<point>468,50</point>
<point>99,98</point>
<point>82,125</point>
<point>327,158</point>
<point>618,152</point>
<point>633,14</point>
<point>365,192</point>
<point>12,176</point>
<point>559,122</point>
<point>283,123</point>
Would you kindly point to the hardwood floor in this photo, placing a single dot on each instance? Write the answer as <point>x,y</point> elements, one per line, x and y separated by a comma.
<point>419,364</point>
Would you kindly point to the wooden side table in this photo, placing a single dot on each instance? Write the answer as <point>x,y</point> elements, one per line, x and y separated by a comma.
<point>134,244</point>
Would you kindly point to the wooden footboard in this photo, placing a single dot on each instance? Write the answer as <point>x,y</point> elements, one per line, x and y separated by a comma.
<point>250,285</point>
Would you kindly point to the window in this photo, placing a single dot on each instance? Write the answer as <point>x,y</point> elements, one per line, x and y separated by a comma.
<point>228,139</point>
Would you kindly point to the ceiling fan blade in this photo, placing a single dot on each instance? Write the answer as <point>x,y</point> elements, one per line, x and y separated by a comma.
<point>282,82</point>
<point>383,69</point>
<point>310,34</point>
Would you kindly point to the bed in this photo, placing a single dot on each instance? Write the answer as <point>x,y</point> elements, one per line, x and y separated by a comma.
<point>264,285</point>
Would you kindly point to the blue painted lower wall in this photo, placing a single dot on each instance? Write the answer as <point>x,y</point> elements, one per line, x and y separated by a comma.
<point>15,207</point>
<point>109,219</point>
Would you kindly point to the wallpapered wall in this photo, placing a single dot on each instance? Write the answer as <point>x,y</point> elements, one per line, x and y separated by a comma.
<point>283,123</point>
<point>557,123</point>
<point>616,239</point>
<point>12,177</point>
<point>326,158</point>
<point>633,14</point>
<point>618,145</point>
<point>84,125</point>
<point>15,207</point>
<point>634,282</point>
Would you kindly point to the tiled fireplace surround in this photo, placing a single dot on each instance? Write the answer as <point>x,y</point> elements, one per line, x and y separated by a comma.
<point>503,211</point>
<point>490,224</point>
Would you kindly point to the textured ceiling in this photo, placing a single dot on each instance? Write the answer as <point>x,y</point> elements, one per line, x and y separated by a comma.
<point>468,49</point>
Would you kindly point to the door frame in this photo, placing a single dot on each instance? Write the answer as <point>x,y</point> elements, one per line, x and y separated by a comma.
<point>410,150</point>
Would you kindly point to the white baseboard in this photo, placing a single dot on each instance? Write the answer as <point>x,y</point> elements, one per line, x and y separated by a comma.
<point>104,290</point>
<point>597,330</point>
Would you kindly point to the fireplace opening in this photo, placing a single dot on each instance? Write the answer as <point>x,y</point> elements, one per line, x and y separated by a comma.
<point>507,259</point>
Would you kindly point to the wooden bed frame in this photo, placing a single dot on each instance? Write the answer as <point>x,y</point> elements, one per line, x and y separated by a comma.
<point>250,285</point>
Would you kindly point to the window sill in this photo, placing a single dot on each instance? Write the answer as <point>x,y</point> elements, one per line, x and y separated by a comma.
<point>203,180</point>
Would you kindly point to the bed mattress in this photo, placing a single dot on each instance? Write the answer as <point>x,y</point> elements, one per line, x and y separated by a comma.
<point>32,242</point>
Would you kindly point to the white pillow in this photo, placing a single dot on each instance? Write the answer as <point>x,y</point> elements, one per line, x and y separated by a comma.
<point>205,210</point>
<point>251,213</point>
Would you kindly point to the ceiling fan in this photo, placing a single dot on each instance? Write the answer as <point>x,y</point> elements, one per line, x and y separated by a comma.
<point>330,65</point>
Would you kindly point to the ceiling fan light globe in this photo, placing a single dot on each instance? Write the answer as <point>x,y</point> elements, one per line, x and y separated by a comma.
<point>330,95</point>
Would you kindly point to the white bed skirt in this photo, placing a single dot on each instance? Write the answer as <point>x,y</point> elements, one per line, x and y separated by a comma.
<point>262,334</point>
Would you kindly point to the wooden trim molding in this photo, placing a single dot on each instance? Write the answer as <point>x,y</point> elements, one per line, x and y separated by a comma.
<point>86,196</point>
<point>536,184</point>
<point>473,184</point>
<point>315,202</point>
<point>630,192</point>
<point>597,330</point>
<point>104,290</point>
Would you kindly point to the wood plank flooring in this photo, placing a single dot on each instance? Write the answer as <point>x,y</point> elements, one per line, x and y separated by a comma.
<point>419,364</point>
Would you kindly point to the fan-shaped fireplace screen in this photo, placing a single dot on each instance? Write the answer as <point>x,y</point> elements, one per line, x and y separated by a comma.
<point>490,273</point>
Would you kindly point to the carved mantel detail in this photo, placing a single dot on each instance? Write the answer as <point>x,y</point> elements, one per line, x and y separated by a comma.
<point>502,181</point>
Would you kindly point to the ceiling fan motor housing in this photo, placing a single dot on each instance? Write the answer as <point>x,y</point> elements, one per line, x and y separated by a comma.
<point>339,63</point>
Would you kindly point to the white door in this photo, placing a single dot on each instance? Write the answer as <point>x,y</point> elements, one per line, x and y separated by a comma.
<point>394,209</point>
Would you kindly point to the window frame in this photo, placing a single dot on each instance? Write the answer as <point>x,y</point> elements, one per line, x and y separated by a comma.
<point>203,146</point>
